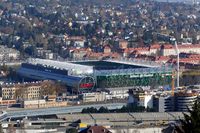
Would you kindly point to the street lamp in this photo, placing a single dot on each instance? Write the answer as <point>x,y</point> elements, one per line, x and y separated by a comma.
<point>173,40</point>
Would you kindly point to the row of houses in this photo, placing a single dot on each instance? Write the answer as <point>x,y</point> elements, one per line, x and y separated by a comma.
<point>159,53</point>
<point>28,95</point>
<point>27,91</point>
<point>163,50</point>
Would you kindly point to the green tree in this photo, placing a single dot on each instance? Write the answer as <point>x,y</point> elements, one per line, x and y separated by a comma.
<point>191,121</point>
<point>103,110</point>
<point>84,110</point>
<point>90,110</point>
<point>71,130</point>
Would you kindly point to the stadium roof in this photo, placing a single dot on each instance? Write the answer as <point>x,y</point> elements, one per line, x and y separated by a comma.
<point>85,69</point>
<point>71,67</point>
<point>135,62</point>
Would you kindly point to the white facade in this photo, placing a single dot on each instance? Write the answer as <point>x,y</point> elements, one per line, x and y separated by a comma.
<point>79,43</point>
<point>34,102</point>
<point>137,130</point>
<point>141,99</point>
<point>182,49</point>
<point>170,50</point>
<point>94,97</point>
<point>117,93</point>
<point>8,53</point>
<point>167,52</point>
<point>146,101</point>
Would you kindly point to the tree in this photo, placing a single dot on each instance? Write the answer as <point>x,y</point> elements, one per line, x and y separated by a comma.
<point>84,110</point>
<point>71,130</point>
<point>103,110</point>
<point>21,93</point>
<point>4,68</point>
<point>52,88</point>
<point>1,129</point>
<point>89,110</point>
<point>191,121</point>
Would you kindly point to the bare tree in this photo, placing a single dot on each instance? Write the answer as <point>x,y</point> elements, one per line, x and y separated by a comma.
<point>51,88</point>
<point>21,92</point>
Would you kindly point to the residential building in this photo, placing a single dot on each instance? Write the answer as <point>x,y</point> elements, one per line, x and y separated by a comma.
<point>140,98</point>
<point>185,100</point>
<point>24,91</point>
<point>46,54</point>
<point>163,103</point>
<point>8,54</point>
<point>107,49</point>
<point>76,41</point>
<point>181,101</point>
<point>95,129</point>
<point>123,44</point>
<point>42,103</point>
<point>7,102</point>
<point>117,93</point>
<point>78,53</point>
<point>93,97</point>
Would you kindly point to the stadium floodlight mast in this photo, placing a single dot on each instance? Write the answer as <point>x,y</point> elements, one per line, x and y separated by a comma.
<point>173,40</point>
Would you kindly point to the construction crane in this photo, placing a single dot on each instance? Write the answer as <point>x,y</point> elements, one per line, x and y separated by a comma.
<point>172,40</point>
<point>173,83</point>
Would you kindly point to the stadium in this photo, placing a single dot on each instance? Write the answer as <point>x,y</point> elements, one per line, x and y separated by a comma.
<point>88,75</point>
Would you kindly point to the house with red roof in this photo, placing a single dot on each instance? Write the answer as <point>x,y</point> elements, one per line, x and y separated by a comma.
<point>107,49</point>
<point>123,44</point>
<point>77,41</point>
<point>95,129</point>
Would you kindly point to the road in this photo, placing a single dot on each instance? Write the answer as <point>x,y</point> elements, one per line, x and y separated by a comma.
<point>58,110</point>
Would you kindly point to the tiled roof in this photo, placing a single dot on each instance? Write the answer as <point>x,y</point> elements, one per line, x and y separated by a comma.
<point>95,129</point>
<point>155,46</point>
<point>162,58</point>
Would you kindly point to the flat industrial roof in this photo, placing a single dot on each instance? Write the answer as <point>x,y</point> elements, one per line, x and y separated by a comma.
<point>112,117</point>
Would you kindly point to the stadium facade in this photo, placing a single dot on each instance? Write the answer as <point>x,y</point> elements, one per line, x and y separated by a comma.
<point>87,75</point>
